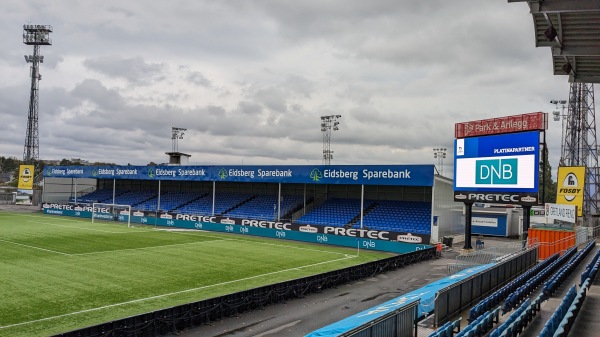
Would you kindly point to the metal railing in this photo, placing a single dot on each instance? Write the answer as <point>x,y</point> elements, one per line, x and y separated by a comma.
<point>490,255</point>
<point>454,298</point>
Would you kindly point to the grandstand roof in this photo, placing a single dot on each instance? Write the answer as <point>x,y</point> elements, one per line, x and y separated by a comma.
<point>571,28</point>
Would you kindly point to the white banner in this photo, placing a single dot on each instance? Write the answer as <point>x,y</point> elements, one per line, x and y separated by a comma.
<point>567,213</point>
<point>484,222</point>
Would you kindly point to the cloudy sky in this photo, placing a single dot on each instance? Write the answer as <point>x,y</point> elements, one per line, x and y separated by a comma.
<point>250,79</point>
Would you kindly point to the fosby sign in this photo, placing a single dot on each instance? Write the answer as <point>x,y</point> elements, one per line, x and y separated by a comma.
<point>570,186</point>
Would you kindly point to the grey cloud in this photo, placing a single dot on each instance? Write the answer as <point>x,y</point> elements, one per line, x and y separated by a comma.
<point>134,70</point>
<point>198,78</point>
<point>250,108</point>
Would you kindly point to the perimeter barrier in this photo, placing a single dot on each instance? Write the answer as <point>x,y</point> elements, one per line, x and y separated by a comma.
<point>457,297</point>
<point>172,320</point>
<point>400,322</point>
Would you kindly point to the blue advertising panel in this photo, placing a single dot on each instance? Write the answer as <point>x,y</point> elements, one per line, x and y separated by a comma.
<point>399,175</point>
<point>498,163</point>
<point>276,231</point>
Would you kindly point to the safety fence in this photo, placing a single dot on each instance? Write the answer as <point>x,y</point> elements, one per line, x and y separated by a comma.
<point>400,322</point>
<point>7,198</point>
<point>488,255</point>
<point>457,297</point>
<point>181,317</point>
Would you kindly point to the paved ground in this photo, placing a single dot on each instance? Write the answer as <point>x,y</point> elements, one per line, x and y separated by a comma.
<point>20,208</point>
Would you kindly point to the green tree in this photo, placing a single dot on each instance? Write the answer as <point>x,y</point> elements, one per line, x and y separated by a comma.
<point>9,164</point>
<point>547,186</point>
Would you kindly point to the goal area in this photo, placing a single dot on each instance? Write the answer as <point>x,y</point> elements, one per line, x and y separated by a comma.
<point>111,212</point>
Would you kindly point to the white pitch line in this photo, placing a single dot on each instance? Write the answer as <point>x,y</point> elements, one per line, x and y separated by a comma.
<point>169,294</point>
<point>84,228</point>
<point>189,233</point>
<point>260,243</point>
<point>34,247</point>
<point>144,248</point>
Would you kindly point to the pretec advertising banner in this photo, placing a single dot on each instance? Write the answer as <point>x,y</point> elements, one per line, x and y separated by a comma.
<point>399,242</point>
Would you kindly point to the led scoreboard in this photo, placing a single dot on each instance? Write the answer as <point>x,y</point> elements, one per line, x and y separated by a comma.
<point>500,168</point>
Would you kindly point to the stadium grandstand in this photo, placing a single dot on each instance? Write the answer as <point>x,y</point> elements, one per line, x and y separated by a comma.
<point>400,203</point>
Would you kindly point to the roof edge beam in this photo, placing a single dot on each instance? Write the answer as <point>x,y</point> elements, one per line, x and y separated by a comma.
<point>584,79</point>
<point>564,6</point>
<point>576,51</point>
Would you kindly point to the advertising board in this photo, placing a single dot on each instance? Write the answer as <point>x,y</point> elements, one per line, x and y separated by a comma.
<point>499,163</point>
<point>567,213</point>
<point>399,175</point>
<point>570,186</point>
<point>25,177</point>
<point>509,124</point>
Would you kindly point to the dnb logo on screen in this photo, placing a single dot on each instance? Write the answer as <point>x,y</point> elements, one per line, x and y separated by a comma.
<point>497,171</point>
<point>498,163</point>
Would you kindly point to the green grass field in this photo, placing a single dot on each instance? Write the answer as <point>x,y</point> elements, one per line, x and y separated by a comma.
<point>58,274</point>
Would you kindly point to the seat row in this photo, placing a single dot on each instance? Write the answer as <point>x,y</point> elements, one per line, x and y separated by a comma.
<point>567,322</point>
<point>448,329</point>
<point>482,325</point>
<point>569,317</point>
<point>591,269</point>
<point>516,297</point>
<point>516,323</point>
<point>499,295</point>
<point>557,279</point>
<point>553,323</point>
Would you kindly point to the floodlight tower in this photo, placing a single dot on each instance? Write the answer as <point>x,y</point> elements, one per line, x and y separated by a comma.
<point>580,146</point>
<point>176,135</point>
<point>328,123</point>
<point>34,35</point>
<point>440,154</point>
<point>562,117</point>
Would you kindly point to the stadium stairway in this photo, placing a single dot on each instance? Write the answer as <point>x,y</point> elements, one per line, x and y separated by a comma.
<point>587,323</point>
<point>549,307</point>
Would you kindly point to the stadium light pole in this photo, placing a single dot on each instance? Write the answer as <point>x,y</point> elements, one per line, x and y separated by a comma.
<point>36,36</point>
<point>557,117</point>
<point>440,154</point>
<point>176,135</point>
<point>328,123</point>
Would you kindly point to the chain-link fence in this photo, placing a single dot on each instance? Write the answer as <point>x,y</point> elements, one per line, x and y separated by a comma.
<point>497,253</point>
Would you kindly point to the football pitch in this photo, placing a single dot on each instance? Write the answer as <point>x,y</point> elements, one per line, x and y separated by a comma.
<point>59,274</point>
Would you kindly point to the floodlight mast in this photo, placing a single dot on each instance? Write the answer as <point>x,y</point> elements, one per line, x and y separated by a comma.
<point>34,35</point>
<point>440,154</point>
<point>176,135</point>
<point>562,117</point>
<point>579,145</point>
<point>328,123</point>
